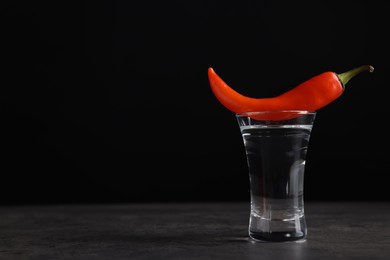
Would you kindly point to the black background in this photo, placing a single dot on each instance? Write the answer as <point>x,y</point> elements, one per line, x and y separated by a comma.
<point>110,101</point>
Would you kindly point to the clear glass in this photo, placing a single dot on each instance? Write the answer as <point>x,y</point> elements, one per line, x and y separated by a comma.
<point>276,144</point>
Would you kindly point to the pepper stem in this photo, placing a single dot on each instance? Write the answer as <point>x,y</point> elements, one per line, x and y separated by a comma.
<point>347,76</point>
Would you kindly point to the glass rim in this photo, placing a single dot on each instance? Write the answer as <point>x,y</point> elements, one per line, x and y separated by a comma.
<point>294,111</point>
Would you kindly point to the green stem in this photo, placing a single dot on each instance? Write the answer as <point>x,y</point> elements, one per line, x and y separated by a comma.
<point>347,76</point>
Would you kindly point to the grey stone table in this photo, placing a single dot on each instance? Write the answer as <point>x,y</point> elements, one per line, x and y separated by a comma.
<point>187,231</point>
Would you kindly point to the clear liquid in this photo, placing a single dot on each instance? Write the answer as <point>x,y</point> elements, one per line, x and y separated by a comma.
<point>276,159</point>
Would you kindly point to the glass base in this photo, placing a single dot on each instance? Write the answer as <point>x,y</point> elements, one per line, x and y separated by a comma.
<point>277,236</point>
<point>288,227</point>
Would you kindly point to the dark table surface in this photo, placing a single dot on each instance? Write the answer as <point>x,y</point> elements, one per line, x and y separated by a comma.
<point>342,230</point>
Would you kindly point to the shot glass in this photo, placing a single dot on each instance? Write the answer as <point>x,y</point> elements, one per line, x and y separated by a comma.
<point>276,144</point>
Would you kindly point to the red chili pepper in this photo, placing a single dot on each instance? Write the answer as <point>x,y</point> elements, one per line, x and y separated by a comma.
<point>310,95</point>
